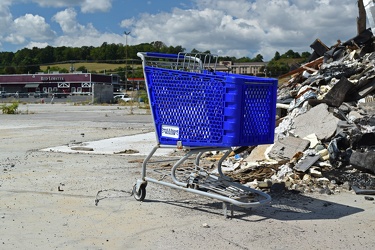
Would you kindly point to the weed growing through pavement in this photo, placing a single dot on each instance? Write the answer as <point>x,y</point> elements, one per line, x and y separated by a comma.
<point>10,109</point>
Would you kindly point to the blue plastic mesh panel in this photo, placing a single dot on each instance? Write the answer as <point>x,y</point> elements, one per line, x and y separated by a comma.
<point>212,109</point>
<point>258,118</point>
<point>192,102</point>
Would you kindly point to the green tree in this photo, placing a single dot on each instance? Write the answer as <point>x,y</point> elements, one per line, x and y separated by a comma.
<point>6,58</point>
<point>158,45</point>
<point>82,68</point>
<point>9,70</point>
<point>258,58</point>
<point>277,56</point>
<point>46,55</point>
<point>305,54</point>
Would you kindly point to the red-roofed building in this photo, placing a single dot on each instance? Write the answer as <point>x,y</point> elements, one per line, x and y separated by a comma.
<point>74,83</point>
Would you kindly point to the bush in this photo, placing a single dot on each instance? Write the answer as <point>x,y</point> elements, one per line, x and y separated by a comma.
<point>143,96</point>
<point>10,109</point>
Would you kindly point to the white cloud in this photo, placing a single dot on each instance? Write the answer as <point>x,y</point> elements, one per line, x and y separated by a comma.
<point>90,6</point>
<point>37,44</point>
<point>95,40</point>
<point>33,27</point>
<point>6,18</point>
<point>237,9</point>
<point>258,27</point>
<point>15,39</point>
<point>68,21</point>
<point>23,28</point>
<point>77,35</point>
<point>58,3</point>
<point>87,6</point>
<point>127,23</point>
<point>234,28</point>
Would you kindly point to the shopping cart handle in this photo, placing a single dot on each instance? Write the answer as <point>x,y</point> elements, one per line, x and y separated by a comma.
<point>178,57</point>
<point>162,55</point>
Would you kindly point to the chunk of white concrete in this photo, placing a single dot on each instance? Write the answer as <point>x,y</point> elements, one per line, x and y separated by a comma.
<point>318,120</point>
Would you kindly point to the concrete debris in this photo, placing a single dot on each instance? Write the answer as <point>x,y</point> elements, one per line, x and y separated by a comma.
<point>325,134</point>
<point>127,151</point>
<point>257,154</point>
<point>317,120</point>
<point>313,140</point>
<point>205,225</point>
<point>80,148</point>
<point>363,160</point>
<point>306,162</point>
<point>287,147</point>
<point>358,190</point>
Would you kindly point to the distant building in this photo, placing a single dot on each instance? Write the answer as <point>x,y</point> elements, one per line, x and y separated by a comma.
<point>135,83</point>
<point>73,83</point>
<point>246,68</point>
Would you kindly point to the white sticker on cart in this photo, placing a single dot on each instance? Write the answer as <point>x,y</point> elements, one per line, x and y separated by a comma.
<point>170,131</point>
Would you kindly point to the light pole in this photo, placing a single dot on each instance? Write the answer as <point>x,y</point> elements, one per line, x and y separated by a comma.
<point>126,59</point>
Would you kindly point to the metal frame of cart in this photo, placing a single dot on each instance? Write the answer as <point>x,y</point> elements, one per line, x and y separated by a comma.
<point>200,110</point>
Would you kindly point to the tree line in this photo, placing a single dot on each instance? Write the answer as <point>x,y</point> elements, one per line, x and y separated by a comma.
<point>28,61</point>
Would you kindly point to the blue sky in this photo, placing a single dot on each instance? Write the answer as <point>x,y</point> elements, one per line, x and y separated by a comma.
<point>225,27</point>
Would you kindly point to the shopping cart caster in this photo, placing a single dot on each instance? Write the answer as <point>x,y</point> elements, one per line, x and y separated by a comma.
<point>139,194</point>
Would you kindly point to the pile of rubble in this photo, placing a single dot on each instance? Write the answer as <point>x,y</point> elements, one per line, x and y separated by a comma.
<point>325,134</point>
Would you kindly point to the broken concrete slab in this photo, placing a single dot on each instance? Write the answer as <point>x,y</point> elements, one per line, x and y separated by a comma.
<point>336,95</point>
<point>354,115</point>
<point>368,107</point>
<point>258,153</point>
<point>143,143</point>
<point>363,160</point>
<point>367,89</point>
<point>306,162</point>
<point>286,148</point>
<point>345,127</point>
<point>358,190</point>
<point>317,120</point>
<point>363,140</point>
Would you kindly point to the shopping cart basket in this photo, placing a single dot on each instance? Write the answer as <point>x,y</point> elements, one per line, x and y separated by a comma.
<point>197,108</point>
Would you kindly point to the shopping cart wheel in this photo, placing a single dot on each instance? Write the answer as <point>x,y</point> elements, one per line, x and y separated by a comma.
<point>141,194</point>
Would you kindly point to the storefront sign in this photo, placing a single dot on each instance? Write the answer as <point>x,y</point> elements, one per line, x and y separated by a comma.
<point>51,78</point>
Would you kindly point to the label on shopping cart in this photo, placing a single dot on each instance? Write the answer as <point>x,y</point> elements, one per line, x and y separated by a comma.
<point>170,131</point>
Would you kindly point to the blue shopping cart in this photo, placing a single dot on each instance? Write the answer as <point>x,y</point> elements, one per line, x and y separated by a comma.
<point>197,108</point>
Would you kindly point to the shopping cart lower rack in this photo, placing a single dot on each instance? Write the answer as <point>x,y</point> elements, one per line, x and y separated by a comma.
<point>199,109</point>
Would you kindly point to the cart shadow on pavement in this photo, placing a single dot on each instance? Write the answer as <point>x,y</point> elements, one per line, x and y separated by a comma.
<point>284,207</point>
<point>296,206</point>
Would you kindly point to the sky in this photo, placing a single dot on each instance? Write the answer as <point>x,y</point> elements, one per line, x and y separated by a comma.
<point>239,28</point>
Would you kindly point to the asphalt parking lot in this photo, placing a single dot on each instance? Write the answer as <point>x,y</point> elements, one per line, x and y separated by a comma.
<point>49,99</point>
<point>48,196</point>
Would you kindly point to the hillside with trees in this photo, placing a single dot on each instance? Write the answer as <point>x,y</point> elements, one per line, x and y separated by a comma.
<point>118,59</point>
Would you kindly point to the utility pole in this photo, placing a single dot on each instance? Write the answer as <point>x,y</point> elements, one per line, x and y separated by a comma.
<point>126,59</point>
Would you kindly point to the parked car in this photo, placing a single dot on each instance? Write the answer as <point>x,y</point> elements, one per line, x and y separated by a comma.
<point>22,95</point>
<point>39,94</point>
<point>5,94</point>
<point>122,97</point>
<point>60,94</point>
